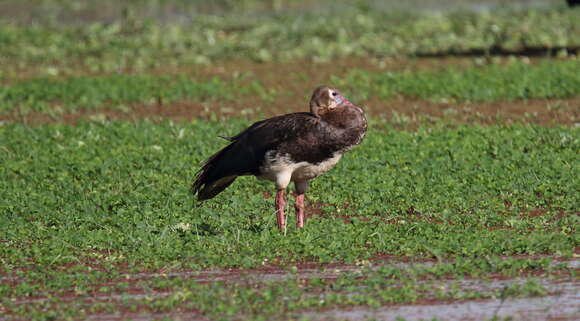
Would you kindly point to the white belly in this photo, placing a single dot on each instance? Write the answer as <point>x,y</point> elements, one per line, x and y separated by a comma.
<point>305,171</point>
<point>282,170</point>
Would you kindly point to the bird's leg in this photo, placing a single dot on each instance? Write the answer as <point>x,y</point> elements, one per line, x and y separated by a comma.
<point>282,181</point>
<point>299,206</point>
<point>280,203</point>
<point>301,188</point>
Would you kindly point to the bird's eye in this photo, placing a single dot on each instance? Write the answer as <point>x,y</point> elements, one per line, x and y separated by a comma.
<point>334,93</point>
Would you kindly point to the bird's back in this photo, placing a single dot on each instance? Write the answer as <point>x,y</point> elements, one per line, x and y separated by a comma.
<point>297,141</point>
<point>248,150</point>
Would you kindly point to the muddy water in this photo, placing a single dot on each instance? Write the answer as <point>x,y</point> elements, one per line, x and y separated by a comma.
<point>564,305</point>
<point>559,307</point>
<point>276,274</point>
<point>564,293</point>
<point>305,272</point>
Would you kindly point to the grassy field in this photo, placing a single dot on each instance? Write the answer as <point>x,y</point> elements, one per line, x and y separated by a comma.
<point>129,44</point>
<point>490,83</point>
<point>465,190</point>
<point>114,197</point>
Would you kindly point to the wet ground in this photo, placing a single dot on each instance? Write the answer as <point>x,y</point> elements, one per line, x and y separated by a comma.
<point>564,306</point>
<point>562,301</point>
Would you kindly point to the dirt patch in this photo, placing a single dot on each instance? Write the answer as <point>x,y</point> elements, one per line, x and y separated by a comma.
<point>296,72</point>
<point>290,84</point>
<point>409,112</point>
<point>401,112</point>
<point>279,72</point>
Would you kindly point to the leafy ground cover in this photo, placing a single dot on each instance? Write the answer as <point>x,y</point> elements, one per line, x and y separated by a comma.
<point>294,293</point>
<point>359,30</point>
<point>494,82</point>
<point>70,191</point>
<point>97,219</point>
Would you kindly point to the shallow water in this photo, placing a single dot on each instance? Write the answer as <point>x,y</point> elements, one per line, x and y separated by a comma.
<point>561,307</point>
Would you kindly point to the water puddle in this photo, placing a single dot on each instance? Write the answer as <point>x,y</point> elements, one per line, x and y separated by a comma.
<point>565,306</point>
<point>562,301</point>
<point>279,274</point>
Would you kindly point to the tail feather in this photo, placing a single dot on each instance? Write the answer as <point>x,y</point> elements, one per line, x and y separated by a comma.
<point>221,170</point>
<point>228,138</point>
<point>243,156</point>
<point>212,189</point>
<point>209,182</point>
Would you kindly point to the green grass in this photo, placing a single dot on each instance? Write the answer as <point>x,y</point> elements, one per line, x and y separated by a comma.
<point>92,92</point>
<point>512,81</point>
<point>359,30</point>
<point>82,205</point>
<point>495,82</point>
<point>69,191</point>
<point>83,208</point>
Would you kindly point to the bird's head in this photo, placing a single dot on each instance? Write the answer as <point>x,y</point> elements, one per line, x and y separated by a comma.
<point>325,99</point>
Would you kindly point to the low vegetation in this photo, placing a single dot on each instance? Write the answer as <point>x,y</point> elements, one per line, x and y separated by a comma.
<point>439,192</point>
<point>495,82</point>
<point>134,44</point>
<point>97,218</point>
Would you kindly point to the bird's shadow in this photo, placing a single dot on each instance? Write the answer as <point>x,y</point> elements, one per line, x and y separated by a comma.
<point>205,229</point>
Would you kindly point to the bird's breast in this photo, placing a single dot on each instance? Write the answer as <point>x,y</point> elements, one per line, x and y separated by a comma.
<point>277,164</point>
<point>305,171</point>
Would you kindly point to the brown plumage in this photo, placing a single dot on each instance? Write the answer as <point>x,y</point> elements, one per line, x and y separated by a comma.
<point>294,147</point>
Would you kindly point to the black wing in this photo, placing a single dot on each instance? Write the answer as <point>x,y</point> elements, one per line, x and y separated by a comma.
<point>247,150</point>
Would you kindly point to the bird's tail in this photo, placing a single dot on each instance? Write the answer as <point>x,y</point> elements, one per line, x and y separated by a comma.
<point>214,176</point>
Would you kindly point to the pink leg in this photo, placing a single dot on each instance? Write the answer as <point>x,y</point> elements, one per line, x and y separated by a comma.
<point>299,206</point>
<point>280,203</point>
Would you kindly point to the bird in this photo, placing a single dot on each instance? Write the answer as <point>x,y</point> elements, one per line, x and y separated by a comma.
<point>295,147</point>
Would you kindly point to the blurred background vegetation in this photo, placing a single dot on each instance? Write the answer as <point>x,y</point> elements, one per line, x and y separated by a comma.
<point>56,36</point>
<point>185,10</point>
<point>273,50</point>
